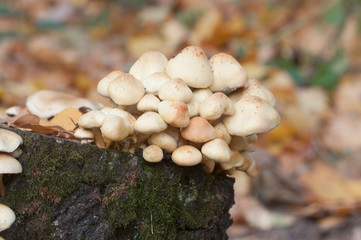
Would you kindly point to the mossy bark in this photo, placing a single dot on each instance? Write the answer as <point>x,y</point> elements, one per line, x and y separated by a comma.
<point>77,191</point>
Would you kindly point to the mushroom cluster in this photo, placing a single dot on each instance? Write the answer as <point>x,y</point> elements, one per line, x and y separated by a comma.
<point>9,150</point>
<point>199,110</point>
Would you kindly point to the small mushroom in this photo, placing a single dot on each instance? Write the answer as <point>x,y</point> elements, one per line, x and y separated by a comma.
<point>191,65</point>
<point>102,87</point>
<point>216,105</point>
<point>7,217</point>
<point>253,115</point>
<point>8,165</point>
<point>208,164</point>
<point>237,160</point>
<point>147,64</point>
<point>164,141</point>
<point>153,153</point>
<point>9,141</point>
<point>222,132</point>
<point>153,83</point>
<point>92,119</point>
<point>246,163</point>
<point>150,122</point>
<point>228,74</point>
<point>125,90</point>
<point>149,102</point>
<point>116,128</point>
<point>13,111</point>
<point>175,90</point>
<point>121,113</point>
<point>174,113</point>
<point>199,130</point>
<point>252,171</point>
<point>217,150</point>
<point>83,133</point>
<point>186,156</point>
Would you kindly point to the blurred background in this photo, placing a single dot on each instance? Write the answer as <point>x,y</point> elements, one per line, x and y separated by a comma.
<point>308,53</point>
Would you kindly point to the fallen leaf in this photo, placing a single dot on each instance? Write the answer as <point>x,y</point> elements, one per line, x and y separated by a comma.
<point>66,119</point>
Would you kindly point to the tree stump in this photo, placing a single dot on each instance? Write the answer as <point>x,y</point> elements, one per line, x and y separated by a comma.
<point>70,190</point>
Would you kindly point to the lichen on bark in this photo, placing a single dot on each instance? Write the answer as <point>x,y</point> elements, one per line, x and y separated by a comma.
<point>78,191</point>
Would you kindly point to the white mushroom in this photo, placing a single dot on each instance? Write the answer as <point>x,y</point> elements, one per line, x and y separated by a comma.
<point>199,130</point>
<point>7,217</point>
<point>150,122</point>
<point>9,141</point>
<point>116,128</point>
<point>186,156</point>
<point>175,90</point>
<point>153,153</point>
<point>102,87</point>
<point>216,105</point>
<point>237,160</point>
<point>164,141</point>
<point>120,113</point>
<point>191,65</point>
<point>83,133</point>
<point>125,90</point>
<point>91,119</point>
<point>228,74</point>
<point>217,150</point>
<point>222,132</point>
<point>47,103</point>
<point>149,102</point>
<point>252,171</point>
<point>147,64</point>
<point>253,115</point>
<point>174,113</point>
<point>13,111</point>
<point>153,83</point>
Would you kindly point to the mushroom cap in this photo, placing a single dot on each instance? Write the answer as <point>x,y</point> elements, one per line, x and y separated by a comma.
<point>186,155</point>
<point>91,119</point>
<point>9,165</point>
<point>83,133</point>
<point>13,111</point>
<point>216,105</point>
<point>150,122</point>
<point>148,63</point>
<point>253,115</point>
<point>164,141</point>
<point>153,82</point>
<point>202,94</point>
<point>193,107</point>
<point>149,102</point>
<point>222,132</point>
<point>115,128</point>
<point>175,90</point>
<point>7,217</point>
<point>102,87</point>
<point>246,163</point>
<point>199,130</point>
<point>191,65</point>
<point>153,153</point>
<point>238,143</point>
<point>47,103</point>
<point>9,141</point>
<point>217,150</point>
<point>125,90</point>
<point>254,87</point>
<point>252,171</point>
<point>121,113</point>
<point>174,113</point>
<point>228,74</point>
<point>237,159</point>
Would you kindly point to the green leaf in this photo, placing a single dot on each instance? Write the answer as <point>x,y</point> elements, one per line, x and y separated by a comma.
<point>335,14</point>
<point>291,68</point>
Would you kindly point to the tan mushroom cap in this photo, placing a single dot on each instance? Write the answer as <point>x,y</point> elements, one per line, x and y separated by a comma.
<point>16,153</point>
<point>9,141</point>
<point>254,87</point>
<point>147,64</point>
<point>83,133</point>
<point>153,83</point>
<point>252,171</point>
<point>191,65</point>
<point>186,155</point>
<point>246,163</point>
<point>153,153</point>
<point>216,105</point>
<point>228,74</point>
<point>149,102</point>
<point>125,90</point>
<point>102,87</point>
<point>47,103</point>
<point>174,113</point>
<point>199,130</point>
<point>237,160</point>
<point>217,150</point>
<point>253,115</point>
<point>9,165</point>
<point>150,122</point>
<point>176,90</point>
<point>164,141</point>
<point>7,217</point>
<point>115,128</point>
<point>193,107</point>
<point>91,119</point>
<point>222,132</point>
<point>121,113</point>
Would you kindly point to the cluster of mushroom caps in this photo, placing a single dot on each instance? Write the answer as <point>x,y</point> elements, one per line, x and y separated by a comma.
<point>9,151</point>
<point>197,110</point>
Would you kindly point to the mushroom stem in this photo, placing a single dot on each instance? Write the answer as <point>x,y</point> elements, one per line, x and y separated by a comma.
<point>98,137</point>
<point>2,187</point>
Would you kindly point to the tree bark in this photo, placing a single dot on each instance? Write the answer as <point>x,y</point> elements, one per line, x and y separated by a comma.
<point>69,190</point>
